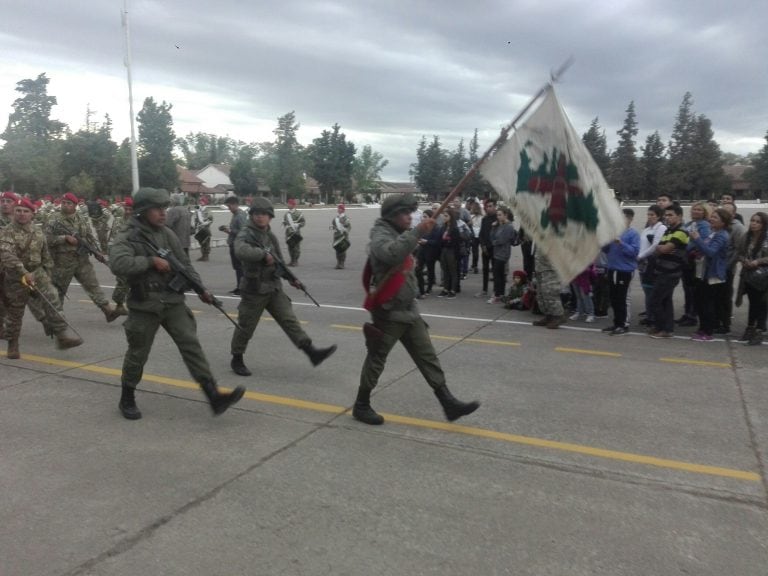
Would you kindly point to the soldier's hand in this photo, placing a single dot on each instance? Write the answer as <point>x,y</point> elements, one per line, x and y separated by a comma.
<point>161,264</point>
<point>206,297</point>
<point>28,279</point>
<point>426,225</point>
<point>71,240</point>
<point>101,258</point>
<point>298,285</point>
<point>268,260</point>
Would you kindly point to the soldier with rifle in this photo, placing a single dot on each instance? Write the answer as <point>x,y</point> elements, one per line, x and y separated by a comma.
<point>26,265</point>
<point>257,248</point>
<point>72,242</point>
<point>149,256</point>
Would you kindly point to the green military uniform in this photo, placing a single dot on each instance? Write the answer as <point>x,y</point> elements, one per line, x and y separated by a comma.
<point>4,221</point>
<point>72,261</point>
<point>120,292</point>
<point>100,218</point>
<point>548,292</point>
<point>23,250</point>
<point>261,289</point>
<point>153,303</point>
<point>294,221</point>
<point>398,318</point>
<point>341,227</point>
<point>202,220</point>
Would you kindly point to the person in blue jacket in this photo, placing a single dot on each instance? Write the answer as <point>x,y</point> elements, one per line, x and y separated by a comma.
<point>622,263</point>
<point>711,291</point>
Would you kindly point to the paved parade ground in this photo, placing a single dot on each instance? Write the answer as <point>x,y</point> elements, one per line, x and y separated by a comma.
<point>590,455</point>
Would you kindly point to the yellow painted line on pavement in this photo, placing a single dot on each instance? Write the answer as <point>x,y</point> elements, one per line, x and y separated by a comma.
<point>434,425</point>
<point>588,352</point>
<point>695,362</point>
<point>437,337</point>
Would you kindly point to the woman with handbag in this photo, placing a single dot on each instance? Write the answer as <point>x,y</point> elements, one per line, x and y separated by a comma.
<point>754,278</point>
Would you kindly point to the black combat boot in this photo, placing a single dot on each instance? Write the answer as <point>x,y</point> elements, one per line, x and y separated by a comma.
<point>454,409</point>
<point>220,402</point>
<point>13,348</point>
<point>127,404</point>
<point>65,339</point>
<point>238,366</point>
<point>317,355</point>
<point>362,409</point>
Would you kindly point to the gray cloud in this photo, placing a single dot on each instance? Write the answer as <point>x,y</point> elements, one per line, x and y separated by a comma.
<point>393,71</point>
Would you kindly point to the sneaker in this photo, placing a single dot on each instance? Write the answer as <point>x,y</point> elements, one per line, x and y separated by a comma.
<point>451,295</point>
<point>702,337</point>
<point>575,316</point>
<point>723,331</point>
<point>443,294</point>
<point>493,300</point>
<point>660,334</point>
<point>590,319</point>
<point>481,294</point>
<point>619,331</point>
<point>608,329</point>
<point>688,322</point>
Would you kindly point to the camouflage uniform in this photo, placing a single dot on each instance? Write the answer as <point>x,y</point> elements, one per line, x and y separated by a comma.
<point>153,303</point>
<point>23,250</point>
<point>341,227</point>
<point>397,318</point>
<point>120,293</point>
<point>261,289</point>
<point>100,217</point>
<point>4,221</point>
<point>70,262</point>
<point>294,221</point>
<point>548,292</point>
<point>202,221</point>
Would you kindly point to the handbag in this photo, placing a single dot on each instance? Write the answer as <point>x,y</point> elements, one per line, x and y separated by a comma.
<point>757,278</point>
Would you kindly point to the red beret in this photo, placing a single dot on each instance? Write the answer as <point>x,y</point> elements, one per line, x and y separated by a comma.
<point>26,203</point>
<point>69,197</point>
<point>128,201</point>
<point>291,202</point>
<point>341,207</point>
<point>10,195</point>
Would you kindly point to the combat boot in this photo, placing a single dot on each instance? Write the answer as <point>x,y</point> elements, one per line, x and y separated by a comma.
<point>362,409</point>
<point>127,404</point>
<point>2,332</point>
<point>756,339</point>
<point>317,355</point>
<point>556,321</point>
<point>13,349</point>
<point>66,340</point>
<point>203,258</point>
<point>543,321</point>
<point>121,310</point>
<point>220,402</point>
<point>453,408</point>
<point>238,366</point>
<point>110,313</point>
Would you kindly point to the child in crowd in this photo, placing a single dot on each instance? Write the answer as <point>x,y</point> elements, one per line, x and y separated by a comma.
<point>582,288</point>
<point>521,294</point>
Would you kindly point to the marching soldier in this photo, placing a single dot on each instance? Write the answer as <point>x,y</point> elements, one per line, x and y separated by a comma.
<point>120,293</point>
<point>26,263</point>
<point>153,302</point>
<point>100,216</point>
<point>68,234</point>
<point>394,310</point>
<point>341,227</point>
<point>7,201</point>
<point>202,221</point>
<point>548,292</point>
<point>261,289</point>
<point>293,221</point>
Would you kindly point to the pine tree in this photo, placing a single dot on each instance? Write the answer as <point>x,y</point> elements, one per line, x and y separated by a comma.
<point>286,164</point>
<point>157,168</point>
<point>332,158</point>
<point>595,141</point>
<point>430,169</point>
<point>679,172</point>
<point>652,166</point>
<point>625,170</point>
<point>709,179</point>
<point>758,173</point>
<point>457,164</point>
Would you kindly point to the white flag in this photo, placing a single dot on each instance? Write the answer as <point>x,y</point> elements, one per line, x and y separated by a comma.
<point>558,195</point>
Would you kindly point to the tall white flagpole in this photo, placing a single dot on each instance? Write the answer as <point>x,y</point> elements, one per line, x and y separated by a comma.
<point>134,156</point>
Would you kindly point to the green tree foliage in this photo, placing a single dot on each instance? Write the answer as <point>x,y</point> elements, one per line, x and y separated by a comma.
<point>758,173</point>
<point>331,161</point>
<point>678,175</point>
<point>624,174</point>
<point>709,179</point>
<point>200,149</point>
<point>595,141</point>
<point>123,184</point>
<point>243,172</point>
<point>91,153</point>
<point>366,171</point>
<point>157,168</point>
<point>82,185</point>
<point>286,161</point>
<point>476,187</point>
<point>652,166</point>
<point>31,157</point>
<point>430,171</point>
<point>457,164</point>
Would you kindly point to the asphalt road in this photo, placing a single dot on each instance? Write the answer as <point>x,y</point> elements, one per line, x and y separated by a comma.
<point>591,454</point>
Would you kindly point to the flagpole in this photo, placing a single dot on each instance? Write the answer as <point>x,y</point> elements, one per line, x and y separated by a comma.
<point>134,156</point>
<point>553,77</point>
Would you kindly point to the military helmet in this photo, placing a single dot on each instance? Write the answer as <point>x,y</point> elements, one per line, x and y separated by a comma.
<point>261,205</point>
<point>150,198</point>
<point>397,204</point>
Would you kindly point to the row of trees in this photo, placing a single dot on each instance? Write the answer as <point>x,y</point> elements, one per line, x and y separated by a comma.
<point>42,156</point>
<point>689,166</point>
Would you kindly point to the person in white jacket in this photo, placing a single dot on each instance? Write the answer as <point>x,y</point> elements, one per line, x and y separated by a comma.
<point>649,239</point>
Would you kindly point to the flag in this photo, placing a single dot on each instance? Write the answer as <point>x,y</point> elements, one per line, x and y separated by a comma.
<point>556,191</point>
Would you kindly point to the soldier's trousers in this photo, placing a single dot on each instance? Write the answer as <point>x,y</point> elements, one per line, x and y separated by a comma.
<point>294,249</point>
<point>249,313</point>
<point>415,338</point>
<point>19,296</point>
<point>548,293</point>
<point>120,293</point>
<point>71,265</point>
<point>178,321</point>
<point>3,304</point>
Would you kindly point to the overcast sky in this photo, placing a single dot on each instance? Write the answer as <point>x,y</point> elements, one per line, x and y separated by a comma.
<point>390,71</point>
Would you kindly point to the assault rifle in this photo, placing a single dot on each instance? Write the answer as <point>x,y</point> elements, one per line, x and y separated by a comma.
<point>83,246</point>
<point>283,272</point>
<point>36,293</point>
<point>182,279</point>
